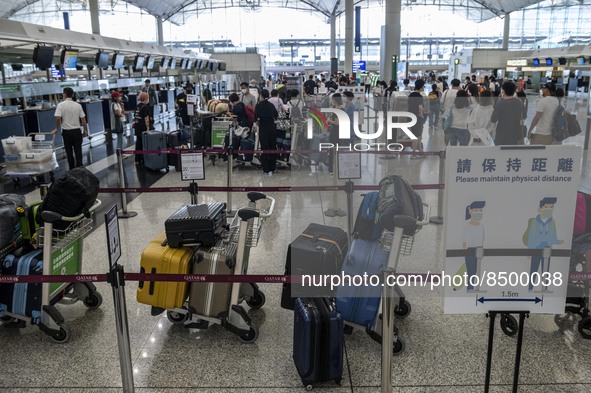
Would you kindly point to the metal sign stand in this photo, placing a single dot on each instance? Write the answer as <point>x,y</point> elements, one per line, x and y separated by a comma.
<point>491,329</point>
<point>335,211</point>
<point>388,295</point>
<point>124,212</point>
<point>116,278</point>
<point>349,188</point>
<point>439,218</point>
<point>192,168</point>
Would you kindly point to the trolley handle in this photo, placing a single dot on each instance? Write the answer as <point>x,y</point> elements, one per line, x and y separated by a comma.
<point>246,214</point>
<point>254,196</point>
<point>50,216</point>
<point>426,215</point>
<point>42,137</point>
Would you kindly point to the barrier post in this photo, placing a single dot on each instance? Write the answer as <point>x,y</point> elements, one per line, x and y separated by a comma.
<point>335,211</point>
<point>193,190</point>
<point>349,190</point>
<point>124,213</point>
<point>439,218</point>
<point>388,294</point>
<point>230,153</point>
<point>117,280</point>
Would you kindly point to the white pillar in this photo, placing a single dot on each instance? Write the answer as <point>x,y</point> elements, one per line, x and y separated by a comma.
<point>334,62</point>
<point>390,45</point>
<point>94,16</point>
<point>506,31</point>
<point>159,30</point>
<point>349,19</point>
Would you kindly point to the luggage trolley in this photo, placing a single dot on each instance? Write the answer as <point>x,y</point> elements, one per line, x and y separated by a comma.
<point>30,156</point>
<point>219,129</point>
<point>244,232</point>
<point>62,254</point>
<point>398,242</point>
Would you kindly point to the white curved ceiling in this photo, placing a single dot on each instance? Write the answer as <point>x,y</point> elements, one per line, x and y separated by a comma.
<point>179,11</point>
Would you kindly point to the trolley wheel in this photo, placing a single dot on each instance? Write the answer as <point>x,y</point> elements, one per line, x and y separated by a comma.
<point>585,328</point>
<point>257,300</point>
<point>5,319</point>
<point>509,325</point>
<point>348,330</point>
<point>251,336</point>
<point>338,381</point>
<point>403,311</point>
<point>63,336</point>
<point>309,387</point>
<point>93,301</point>
<point>398,347</point>
<point>176,318</point>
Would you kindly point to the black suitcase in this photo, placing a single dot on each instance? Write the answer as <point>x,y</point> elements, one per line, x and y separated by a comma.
<point>319,250</point>
<point>72,194</point>
<point>318,341</point>
<point>22,298</point>
<point>196,224</point>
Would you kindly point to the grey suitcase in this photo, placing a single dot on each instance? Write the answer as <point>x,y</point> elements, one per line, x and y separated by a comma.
<point>154,140</point>
<point>212,299</point>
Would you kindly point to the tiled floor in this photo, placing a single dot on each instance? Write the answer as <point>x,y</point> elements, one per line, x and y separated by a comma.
<point>444,353</point>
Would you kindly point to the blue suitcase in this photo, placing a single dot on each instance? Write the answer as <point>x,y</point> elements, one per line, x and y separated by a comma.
<point>246,144</point>
<point>360,304</point>
<point>154,140</point>
<point>318,341</point>
<point>22,298</point>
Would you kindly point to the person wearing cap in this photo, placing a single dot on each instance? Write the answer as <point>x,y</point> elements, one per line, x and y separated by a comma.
<point>118,112</point>
<point>544,118</point>
<point>69,116</point>
<point>141,123</point>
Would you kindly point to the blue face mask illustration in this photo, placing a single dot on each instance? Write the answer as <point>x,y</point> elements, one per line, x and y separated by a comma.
<point>546,213</point>
<point>477,216</point>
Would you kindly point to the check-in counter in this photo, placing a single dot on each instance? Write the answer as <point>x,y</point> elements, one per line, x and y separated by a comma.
<point>94,118</point>
<point>11,125</point>
<point>42,120</point>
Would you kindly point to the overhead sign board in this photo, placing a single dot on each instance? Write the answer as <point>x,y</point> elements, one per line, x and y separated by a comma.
<point>359,65</point>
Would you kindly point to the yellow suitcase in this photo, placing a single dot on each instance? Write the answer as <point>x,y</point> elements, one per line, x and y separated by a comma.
<point>157,258</point>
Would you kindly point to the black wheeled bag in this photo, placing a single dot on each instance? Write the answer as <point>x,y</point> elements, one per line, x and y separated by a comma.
<point>397,198</point>
<point>72,194</point>
<point>193,224</point>
<point>10,207</point>
<point>319,250</point>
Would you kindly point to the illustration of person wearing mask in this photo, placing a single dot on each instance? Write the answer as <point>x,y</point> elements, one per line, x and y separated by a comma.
<point>541,234</point>
<point>472,241</point>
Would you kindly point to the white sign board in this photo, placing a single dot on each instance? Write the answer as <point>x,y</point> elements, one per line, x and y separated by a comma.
<point>349,165</point>
<point>192,167</point>
<point>113,236</point>
<point>192,99</point>
<point>508,227</point>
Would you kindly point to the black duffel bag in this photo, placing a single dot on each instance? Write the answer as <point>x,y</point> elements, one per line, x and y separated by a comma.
<point>72,194</point>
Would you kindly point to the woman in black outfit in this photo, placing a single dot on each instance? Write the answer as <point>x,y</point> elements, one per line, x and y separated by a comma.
<point>141,123</point>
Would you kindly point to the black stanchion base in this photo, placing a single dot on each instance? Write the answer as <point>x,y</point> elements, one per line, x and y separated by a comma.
<point>436,220</point>
<point>335,213</point>
<point>129,214</point>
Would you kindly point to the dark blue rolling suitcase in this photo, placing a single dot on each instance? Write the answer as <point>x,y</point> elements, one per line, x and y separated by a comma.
<point>360,304</point>
<point>246,144</point>
<point>22,298</point>
<point>318,341</point>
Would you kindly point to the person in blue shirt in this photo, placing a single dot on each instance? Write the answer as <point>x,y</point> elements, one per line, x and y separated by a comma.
<point>540,234</point>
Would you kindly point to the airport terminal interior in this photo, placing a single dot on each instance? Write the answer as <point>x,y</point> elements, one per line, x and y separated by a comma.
<point>442,352</point>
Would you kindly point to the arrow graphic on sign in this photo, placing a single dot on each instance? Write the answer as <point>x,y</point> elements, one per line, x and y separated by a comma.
<point>535,300</point>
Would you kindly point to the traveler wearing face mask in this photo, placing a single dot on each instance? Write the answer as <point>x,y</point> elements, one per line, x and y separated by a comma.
<point>246,97</point>
<point>543,120</point>
<point>540,234</point>
<point>473,238</point>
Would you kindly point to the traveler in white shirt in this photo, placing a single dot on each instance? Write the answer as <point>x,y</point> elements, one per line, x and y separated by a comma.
<point>448,100</point>
<point>70,117</point>
<point>545,112</point>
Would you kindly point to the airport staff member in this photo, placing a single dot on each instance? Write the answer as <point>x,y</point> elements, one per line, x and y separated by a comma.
<point>70,117</point>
